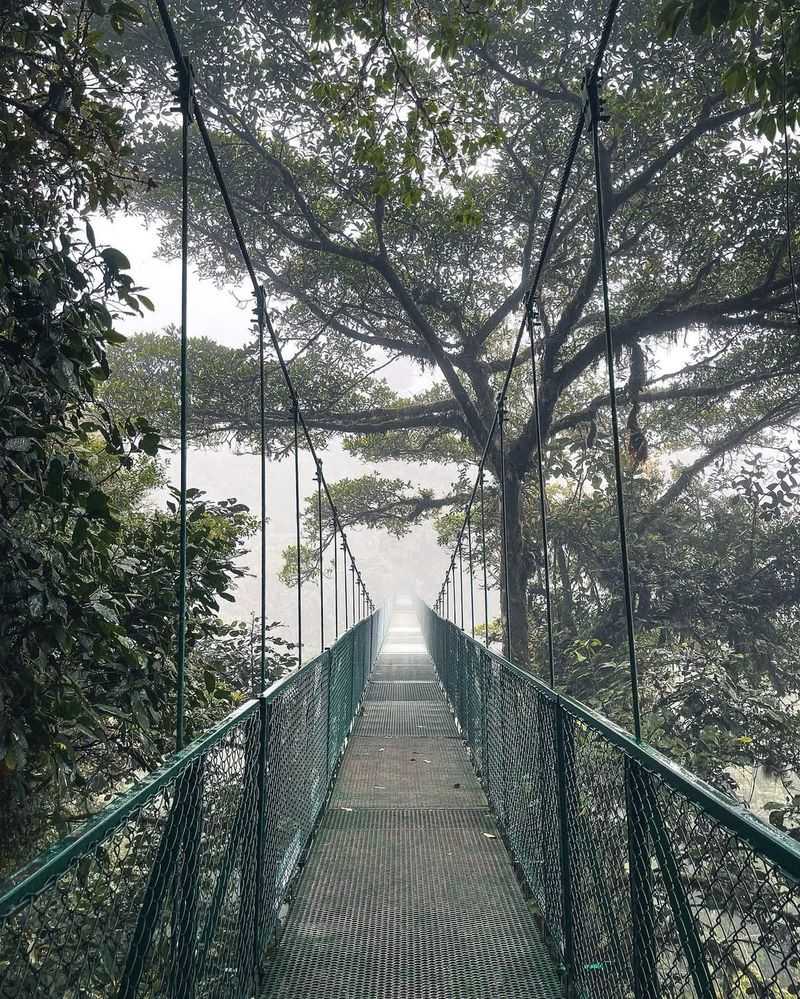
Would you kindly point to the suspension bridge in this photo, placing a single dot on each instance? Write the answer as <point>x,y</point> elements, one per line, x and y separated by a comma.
<point>408,814</point>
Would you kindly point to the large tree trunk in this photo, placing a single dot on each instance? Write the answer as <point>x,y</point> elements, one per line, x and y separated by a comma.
<point>517,649</point>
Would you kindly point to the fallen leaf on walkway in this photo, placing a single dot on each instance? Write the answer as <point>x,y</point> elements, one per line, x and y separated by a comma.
<point>344,808</point>
<point>456,785</point>
<point>379,787</point>
<point>490,835</point>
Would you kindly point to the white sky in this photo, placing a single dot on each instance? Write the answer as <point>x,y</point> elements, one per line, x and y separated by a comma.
<point>388,565</point>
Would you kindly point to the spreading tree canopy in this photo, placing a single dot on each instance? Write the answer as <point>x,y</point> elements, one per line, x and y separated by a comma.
<point>394,168</point>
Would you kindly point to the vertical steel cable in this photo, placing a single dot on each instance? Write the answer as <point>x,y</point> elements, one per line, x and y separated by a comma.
<point>353,587</point>
<point>529,310</point>
<point>447,593</point>
<point>297,536</point>
<point>595,112</point>
<point>321,572</point>
<point>787,174</point>
<point>344,575</point>
<point>335,577</point>
<point>501,414</point>
<point>471,577</point>
<point>261,306</point>
<point>483,559</point>
<point>184,95</point>
<point>461,579</point>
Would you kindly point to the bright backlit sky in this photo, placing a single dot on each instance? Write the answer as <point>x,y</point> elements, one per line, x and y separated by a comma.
<point>389,566</point>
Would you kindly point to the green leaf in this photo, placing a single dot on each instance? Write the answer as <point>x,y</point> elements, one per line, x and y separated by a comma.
<point>55,480</point>
<point>719,12</point>
<point>734,78</point>
<point>115,260</point>
<point>670,17</point>
<point>150,444</point>
<point>97,505</point>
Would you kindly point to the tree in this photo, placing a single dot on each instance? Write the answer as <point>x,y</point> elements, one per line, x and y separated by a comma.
<point>380,226</point>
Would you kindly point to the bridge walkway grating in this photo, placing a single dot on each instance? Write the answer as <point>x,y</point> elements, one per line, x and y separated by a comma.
<point>409,892</point>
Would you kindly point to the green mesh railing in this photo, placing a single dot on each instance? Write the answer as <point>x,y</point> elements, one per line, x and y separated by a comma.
<point>648,883</point>
<point>175,890</point>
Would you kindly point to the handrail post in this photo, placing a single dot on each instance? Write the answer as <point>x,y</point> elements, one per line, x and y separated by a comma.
<point>329,668</point>
<point>264,727</point>
<point>486,675</point>
<point>352,660</point>
<point>185,906</point>
<point>566,781</point>
<point>640,875</point>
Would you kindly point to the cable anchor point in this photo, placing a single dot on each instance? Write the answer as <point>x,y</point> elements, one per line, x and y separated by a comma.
<point>184,90</point>
<point>593,95</point>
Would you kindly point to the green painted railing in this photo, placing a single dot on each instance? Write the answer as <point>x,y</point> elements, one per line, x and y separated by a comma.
<point>175,890</point>
<point>648,883</point>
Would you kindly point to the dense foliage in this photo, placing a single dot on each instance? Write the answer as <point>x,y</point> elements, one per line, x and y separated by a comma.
<point>87,593</point>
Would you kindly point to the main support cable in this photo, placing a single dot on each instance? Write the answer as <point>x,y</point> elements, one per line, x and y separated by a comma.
<point>596,116</point>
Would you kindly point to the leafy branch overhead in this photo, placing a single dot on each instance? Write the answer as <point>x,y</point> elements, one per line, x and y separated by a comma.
<point>764,66</point>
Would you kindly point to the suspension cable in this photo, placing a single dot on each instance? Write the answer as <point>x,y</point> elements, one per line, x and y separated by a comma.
<point>344,574</point>
<point>530,306</point>
<point>787,172</point>
<point>184,96</point>
<point>318,479</point>
<point>596,113</point>
<point>335,581</point>
<point>531,292</point>
<point>483,559</point>
<point>501,419</point>
<point>297,540</point>
<point>192,110</point>
<point>261,309</point>
<point>461,579</point>
<point>471,579</point>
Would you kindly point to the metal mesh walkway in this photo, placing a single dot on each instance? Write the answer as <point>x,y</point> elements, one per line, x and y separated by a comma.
<point>409,892</point>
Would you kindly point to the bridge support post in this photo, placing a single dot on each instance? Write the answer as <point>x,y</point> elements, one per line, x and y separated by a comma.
<point>640,875</point>
<point>567,789</point>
